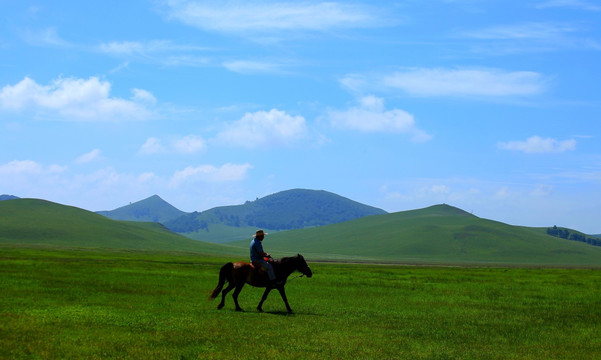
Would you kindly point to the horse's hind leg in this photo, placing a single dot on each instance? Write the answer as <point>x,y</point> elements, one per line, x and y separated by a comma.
<point>223,293</point>
<point>235,296</point>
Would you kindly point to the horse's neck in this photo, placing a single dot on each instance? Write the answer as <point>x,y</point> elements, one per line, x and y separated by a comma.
<point>288,267</point>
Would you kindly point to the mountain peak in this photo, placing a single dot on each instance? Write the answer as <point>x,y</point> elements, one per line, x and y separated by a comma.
<point>151,209</point>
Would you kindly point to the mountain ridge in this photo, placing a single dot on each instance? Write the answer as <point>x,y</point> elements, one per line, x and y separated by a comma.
<point>151,209</point>
<point>284,210</point>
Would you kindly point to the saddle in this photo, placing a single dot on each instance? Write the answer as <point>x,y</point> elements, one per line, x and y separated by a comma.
<point>258,267</point>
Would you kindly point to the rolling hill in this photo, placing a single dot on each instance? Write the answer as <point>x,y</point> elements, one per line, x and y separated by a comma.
<point>286,210</point>
<point>40,222</point>
<point>438,234</point>
<point>152,209</point>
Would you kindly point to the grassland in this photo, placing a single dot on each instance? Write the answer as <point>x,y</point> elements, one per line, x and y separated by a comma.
<point>97,304</point>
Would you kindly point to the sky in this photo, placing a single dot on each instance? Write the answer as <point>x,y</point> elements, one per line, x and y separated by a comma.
<point>490,106</point>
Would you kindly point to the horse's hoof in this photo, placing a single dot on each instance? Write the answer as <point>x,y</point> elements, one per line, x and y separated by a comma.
<point>259,309</point>
<point>219,307</point>
<point>239,309</point>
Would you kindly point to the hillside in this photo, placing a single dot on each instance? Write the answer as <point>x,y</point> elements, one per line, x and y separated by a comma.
<point>152,209</point>
<point>40,222</point>
<point>286,210</point>
<point>438,234</point>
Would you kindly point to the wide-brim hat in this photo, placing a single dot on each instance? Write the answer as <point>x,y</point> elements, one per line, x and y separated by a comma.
<point>260,232</point>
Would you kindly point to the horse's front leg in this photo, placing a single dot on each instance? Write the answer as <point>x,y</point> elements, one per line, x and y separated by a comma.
<point>260,306</point>
<point>283,294</point>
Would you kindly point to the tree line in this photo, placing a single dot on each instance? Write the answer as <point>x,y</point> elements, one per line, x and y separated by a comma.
<point>574,236</point>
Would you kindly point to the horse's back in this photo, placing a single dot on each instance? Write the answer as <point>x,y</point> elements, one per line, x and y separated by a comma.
<point>254,275</point>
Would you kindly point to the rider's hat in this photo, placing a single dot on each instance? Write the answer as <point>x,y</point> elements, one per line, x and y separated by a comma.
<point>260,232</point>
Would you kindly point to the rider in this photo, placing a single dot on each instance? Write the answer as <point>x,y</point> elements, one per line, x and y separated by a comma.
<point>257,255</point>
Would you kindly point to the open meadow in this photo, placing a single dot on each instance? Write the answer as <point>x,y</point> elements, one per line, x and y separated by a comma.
<point>60,303</point>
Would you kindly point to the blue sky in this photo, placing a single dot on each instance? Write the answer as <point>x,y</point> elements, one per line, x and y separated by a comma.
<point>490,106</point>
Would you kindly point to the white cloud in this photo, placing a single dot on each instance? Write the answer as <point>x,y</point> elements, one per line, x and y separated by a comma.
<point>542,190</point>
<point>151,146</point>
<point>252,16</point>
<point>263,128</point>
<point>186,145</point>
<point>209,173</point>
<point>88,157</point>
<point>537,144</point>
<point>190,144</point>
<point>73,99</point>
<point>44,37</point>
<point>28,167</point>
<point>253,67</point>
<point>140,95</point>
<point>20,167</point>
<point>370,116</point>
<point>451,82</point>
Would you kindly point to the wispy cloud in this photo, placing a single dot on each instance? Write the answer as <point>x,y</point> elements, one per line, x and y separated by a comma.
<point>371,116</point>
<point>533,30</point>
<point>44,37</point>
<point>573,4</point>
<point>189,144</point>
<point>74,99</point>
<point>159,51</point>
<point>451,82</point>
<point>28,167</point>
<point>88,157</point>
<point>529,37</point>
<point>254,67</point>
<point>538,145</point>
<point>210,173</point>
<point>252,17</point>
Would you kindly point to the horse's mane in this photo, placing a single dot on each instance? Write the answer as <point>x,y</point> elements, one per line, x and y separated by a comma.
<point>289,258</point>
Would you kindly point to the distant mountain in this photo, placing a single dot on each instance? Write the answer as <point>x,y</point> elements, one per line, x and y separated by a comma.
<point>40,222</point>
<point>152,209</point>
<point>7,197</point>
<point>437,234</point>
<point>286,210</point>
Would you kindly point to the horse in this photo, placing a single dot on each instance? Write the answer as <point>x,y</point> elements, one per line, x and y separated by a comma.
<point>240,273</point>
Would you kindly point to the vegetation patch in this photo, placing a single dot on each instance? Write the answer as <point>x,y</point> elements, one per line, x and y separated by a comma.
<point>68,303</point>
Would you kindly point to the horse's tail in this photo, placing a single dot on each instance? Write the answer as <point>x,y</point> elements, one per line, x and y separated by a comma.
<point>225,274</point>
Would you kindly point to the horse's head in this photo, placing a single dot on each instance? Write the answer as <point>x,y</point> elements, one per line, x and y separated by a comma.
<point>303,267</point>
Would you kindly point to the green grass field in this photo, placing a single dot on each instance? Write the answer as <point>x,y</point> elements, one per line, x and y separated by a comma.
<point>96,304</point>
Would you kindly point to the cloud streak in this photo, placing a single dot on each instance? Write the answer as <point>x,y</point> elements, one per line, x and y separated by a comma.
<point>441,82</point>
<point>538,145</point>
<point>244,17</point>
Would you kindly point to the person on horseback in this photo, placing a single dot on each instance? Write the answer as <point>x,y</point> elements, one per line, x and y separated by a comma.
<point>257,256</point>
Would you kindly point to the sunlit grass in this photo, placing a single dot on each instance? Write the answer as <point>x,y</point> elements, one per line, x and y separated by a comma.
<point>94,304</point>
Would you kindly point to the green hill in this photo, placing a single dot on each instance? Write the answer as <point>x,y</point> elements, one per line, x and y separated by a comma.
<point>286,210</point>
<point>438,234</point>
<point>153,209</point>
<point>40,222</point>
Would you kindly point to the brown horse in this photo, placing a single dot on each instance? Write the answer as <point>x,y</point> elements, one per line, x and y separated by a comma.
<point>239,273</point>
